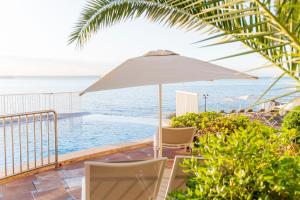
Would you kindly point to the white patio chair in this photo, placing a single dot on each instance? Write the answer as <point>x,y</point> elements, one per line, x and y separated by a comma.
<point>178,177</point>
<point>177,137</point>
<point>126,181</point>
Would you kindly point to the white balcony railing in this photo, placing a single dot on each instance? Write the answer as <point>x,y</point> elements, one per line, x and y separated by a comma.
<point>65,102</point>
<point>28,141</point>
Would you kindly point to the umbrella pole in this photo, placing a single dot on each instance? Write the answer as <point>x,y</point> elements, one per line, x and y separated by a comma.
<point>160,121</point>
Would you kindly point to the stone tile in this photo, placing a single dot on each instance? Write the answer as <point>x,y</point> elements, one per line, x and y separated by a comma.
<point>137,156</point>
<point>48,185</point>
<point>73,182</point>
<point>56,194</point>
<point>117,157</point>
<point>19,189</point>
<point>74,166</point>
<point>147,150</point>
<point>48,181</point>
<point>16,195</point>
<point>65,183</point>
<point>47,175</point>
<point>21,181</point>
<point>100,159</point>
<point>71,173</point>
<point>1,192</point>
<point>75,193</point>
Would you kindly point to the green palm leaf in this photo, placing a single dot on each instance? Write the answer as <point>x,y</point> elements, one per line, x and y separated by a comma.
<point>270,28</point>
<point>268,89</point>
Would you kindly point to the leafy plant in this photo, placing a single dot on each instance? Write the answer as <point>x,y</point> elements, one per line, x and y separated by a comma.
<point>257,162</point>
<point>211,122</point>
<point>197,120</point>
<point>270,28</point>
<point>292,121</point>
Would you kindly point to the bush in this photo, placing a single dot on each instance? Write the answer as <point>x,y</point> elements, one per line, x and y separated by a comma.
<point>292,121</point>
<point>225,124</point>
<point>257,162</point>
<point>211,122</point>
<point>198,120</point>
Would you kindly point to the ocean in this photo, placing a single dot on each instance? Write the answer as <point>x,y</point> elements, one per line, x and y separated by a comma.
<point>130,114</point>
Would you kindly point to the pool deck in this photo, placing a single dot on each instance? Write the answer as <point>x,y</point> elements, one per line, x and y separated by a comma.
<point>64,183</point>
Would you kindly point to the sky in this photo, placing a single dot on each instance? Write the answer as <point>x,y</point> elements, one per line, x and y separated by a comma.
<point>34,42</point>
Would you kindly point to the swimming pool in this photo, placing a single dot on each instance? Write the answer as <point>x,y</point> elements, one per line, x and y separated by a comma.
<point>96,130</point>
<point>124,115</point>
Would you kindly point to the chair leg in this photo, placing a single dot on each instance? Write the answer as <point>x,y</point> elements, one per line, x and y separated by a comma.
<point>187,148</point>
<point>155,151</point>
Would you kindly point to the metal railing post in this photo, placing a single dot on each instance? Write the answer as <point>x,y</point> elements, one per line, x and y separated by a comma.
<point>56,139</point>
<point>26,142</point>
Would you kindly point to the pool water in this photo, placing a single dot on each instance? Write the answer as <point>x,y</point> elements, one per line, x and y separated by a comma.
<point>95,130</point>
<point>124,115</point>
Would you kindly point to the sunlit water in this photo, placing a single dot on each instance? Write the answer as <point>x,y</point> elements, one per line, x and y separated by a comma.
<point>130,114</point>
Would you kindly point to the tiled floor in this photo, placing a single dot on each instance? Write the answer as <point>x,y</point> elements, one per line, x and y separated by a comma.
<point>65,183</point>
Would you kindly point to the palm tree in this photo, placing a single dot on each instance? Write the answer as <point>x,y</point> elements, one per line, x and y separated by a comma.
<point>270,28</point>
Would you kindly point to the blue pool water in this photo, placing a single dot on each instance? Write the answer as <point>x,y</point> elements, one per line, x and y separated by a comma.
<point>96,130</point>
<point>130,114</point>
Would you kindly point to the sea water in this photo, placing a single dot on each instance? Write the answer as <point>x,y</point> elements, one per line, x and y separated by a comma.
<point>124,115</point>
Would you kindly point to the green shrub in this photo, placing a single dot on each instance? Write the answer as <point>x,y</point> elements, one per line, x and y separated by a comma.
<point>257,162</point>
<point>225,124</point>
<point>292,121</point>
<point>197,120</point>
<point>211,122</point>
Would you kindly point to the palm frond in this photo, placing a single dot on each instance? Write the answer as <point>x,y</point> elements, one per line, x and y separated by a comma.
<point>279,97</point>
<point>268,28</point>
<point>267,90</point>
<point>99,14</point>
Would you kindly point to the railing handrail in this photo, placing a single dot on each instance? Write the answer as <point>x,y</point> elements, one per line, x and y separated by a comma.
<point>39,93</point>
<point>29,113</point>
<point>62,102</point>
<point>38,117</point>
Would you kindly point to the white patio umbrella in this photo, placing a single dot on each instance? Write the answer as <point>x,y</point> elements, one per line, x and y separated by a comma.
<point>161,67</point>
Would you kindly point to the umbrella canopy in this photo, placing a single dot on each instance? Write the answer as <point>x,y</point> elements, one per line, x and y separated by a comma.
<point>161,67</point>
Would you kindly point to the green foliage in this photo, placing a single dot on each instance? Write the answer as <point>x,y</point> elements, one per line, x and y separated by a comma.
<point>257,162</point>
<point>197,120</point>
<point>292,121</point>
<point>211,122</point>
<point>225,124</point>
<point>268,28</point>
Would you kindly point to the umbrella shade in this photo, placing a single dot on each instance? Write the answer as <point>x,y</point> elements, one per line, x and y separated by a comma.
<point>160,67</point>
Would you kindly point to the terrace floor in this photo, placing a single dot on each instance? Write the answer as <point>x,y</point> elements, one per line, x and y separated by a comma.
<point>65,183</point>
